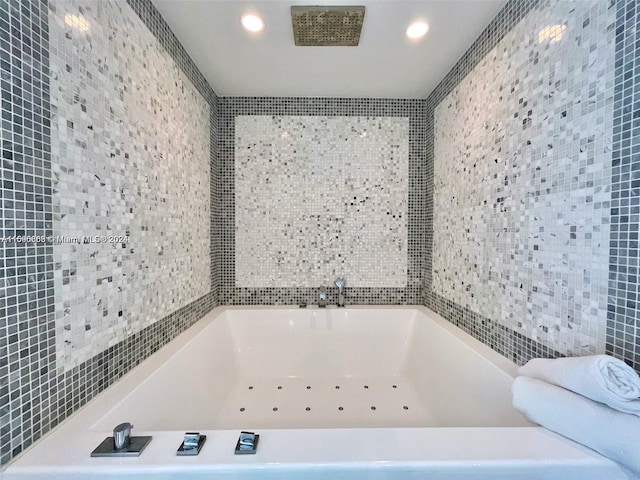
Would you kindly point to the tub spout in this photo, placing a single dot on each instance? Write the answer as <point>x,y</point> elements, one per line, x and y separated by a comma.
<point>122,435</point>
<point>322,298</point>
<point>340,284</point>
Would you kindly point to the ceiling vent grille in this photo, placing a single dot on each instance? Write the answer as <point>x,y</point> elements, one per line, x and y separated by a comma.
<point>331,26</point>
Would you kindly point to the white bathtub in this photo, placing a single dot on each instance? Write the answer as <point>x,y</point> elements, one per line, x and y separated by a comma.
<point>355,393</point>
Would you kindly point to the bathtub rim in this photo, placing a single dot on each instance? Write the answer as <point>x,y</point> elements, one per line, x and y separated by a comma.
<point>55,459</point>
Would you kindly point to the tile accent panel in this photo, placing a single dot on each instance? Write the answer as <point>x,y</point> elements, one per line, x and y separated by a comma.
<point>321,197</point>
<point>36,392</point>
<point>341,114</point>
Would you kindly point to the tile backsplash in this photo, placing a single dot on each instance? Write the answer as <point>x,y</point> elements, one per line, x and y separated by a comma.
<point>320,197</point>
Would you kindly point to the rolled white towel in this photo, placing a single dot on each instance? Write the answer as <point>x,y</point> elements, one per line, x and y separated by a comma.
<point>601,378</point>
<point>614,434</point>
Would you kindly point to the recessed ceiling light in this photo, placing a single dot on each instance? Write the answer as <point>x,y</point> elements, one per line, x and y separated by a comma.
<point>252,22</point>
<point>417,29</point>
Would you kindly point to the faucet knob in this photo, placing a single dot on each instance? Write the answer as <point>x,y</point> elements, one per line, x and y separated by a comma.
<point>122,435</point>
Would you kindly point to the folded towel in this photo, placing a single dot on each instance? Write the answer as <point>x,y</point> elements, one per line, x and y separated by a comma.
<point>599,377</point>
<point>614,434</point>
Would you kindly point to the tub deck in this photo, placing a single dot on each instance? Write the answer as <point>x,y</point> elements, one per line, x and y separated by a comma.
<point>458,424</point>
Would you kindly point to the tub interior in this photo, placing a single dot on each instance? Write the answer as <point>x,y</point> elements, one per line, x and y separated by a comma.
<point>332,368</point>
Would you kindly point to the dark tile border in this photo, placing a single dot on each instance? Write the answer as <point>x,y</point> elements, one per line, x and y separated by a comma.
<point>507,342</point>
<point>150,16</point>
<point>230,107</point>
<point>623,309</point>
<point>27,318</point>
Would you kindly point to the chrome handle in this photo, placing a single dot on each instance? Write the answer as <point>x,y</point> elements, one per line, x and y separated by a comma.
<point>340,283</point>
<point>322,298</point>
<point>122,435</point>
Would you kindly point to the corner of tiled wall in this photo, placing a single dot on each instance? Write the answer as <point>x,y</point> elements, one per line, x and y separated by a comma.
<point>604,302</point>
<point>36,392</point>
<point>623,309</point>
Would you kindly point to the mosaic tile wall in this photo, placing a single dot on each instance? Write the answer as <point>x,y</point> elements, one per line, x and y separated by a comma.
<point>595,197</point>
<point>368,287</point>
<point>35,393</point>
<point>522,155</point>
<point>27,327</point>
<point>321,197</point>
<point>136,179</point>
<point>623,325</point>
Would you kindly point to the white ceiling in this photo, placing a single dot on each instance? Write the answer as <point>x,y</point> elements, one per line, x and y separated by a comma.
<point>384,65</point>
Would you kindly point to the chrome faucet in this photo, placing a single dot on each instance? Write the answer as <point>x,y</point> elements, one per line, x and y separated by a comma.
<point>340,284</point>
<point>122,435</point>
<point>322,298</point>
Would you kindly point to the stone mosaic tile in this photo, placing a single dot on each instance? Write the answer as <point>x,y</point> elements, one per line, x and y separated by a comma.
<point>320,197</point>
<point>130,155</point>
<point>623,312</point>
<point>331,110</point>
<point>27,344</point>
<point>34,396</point>
<point>522,167</point>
